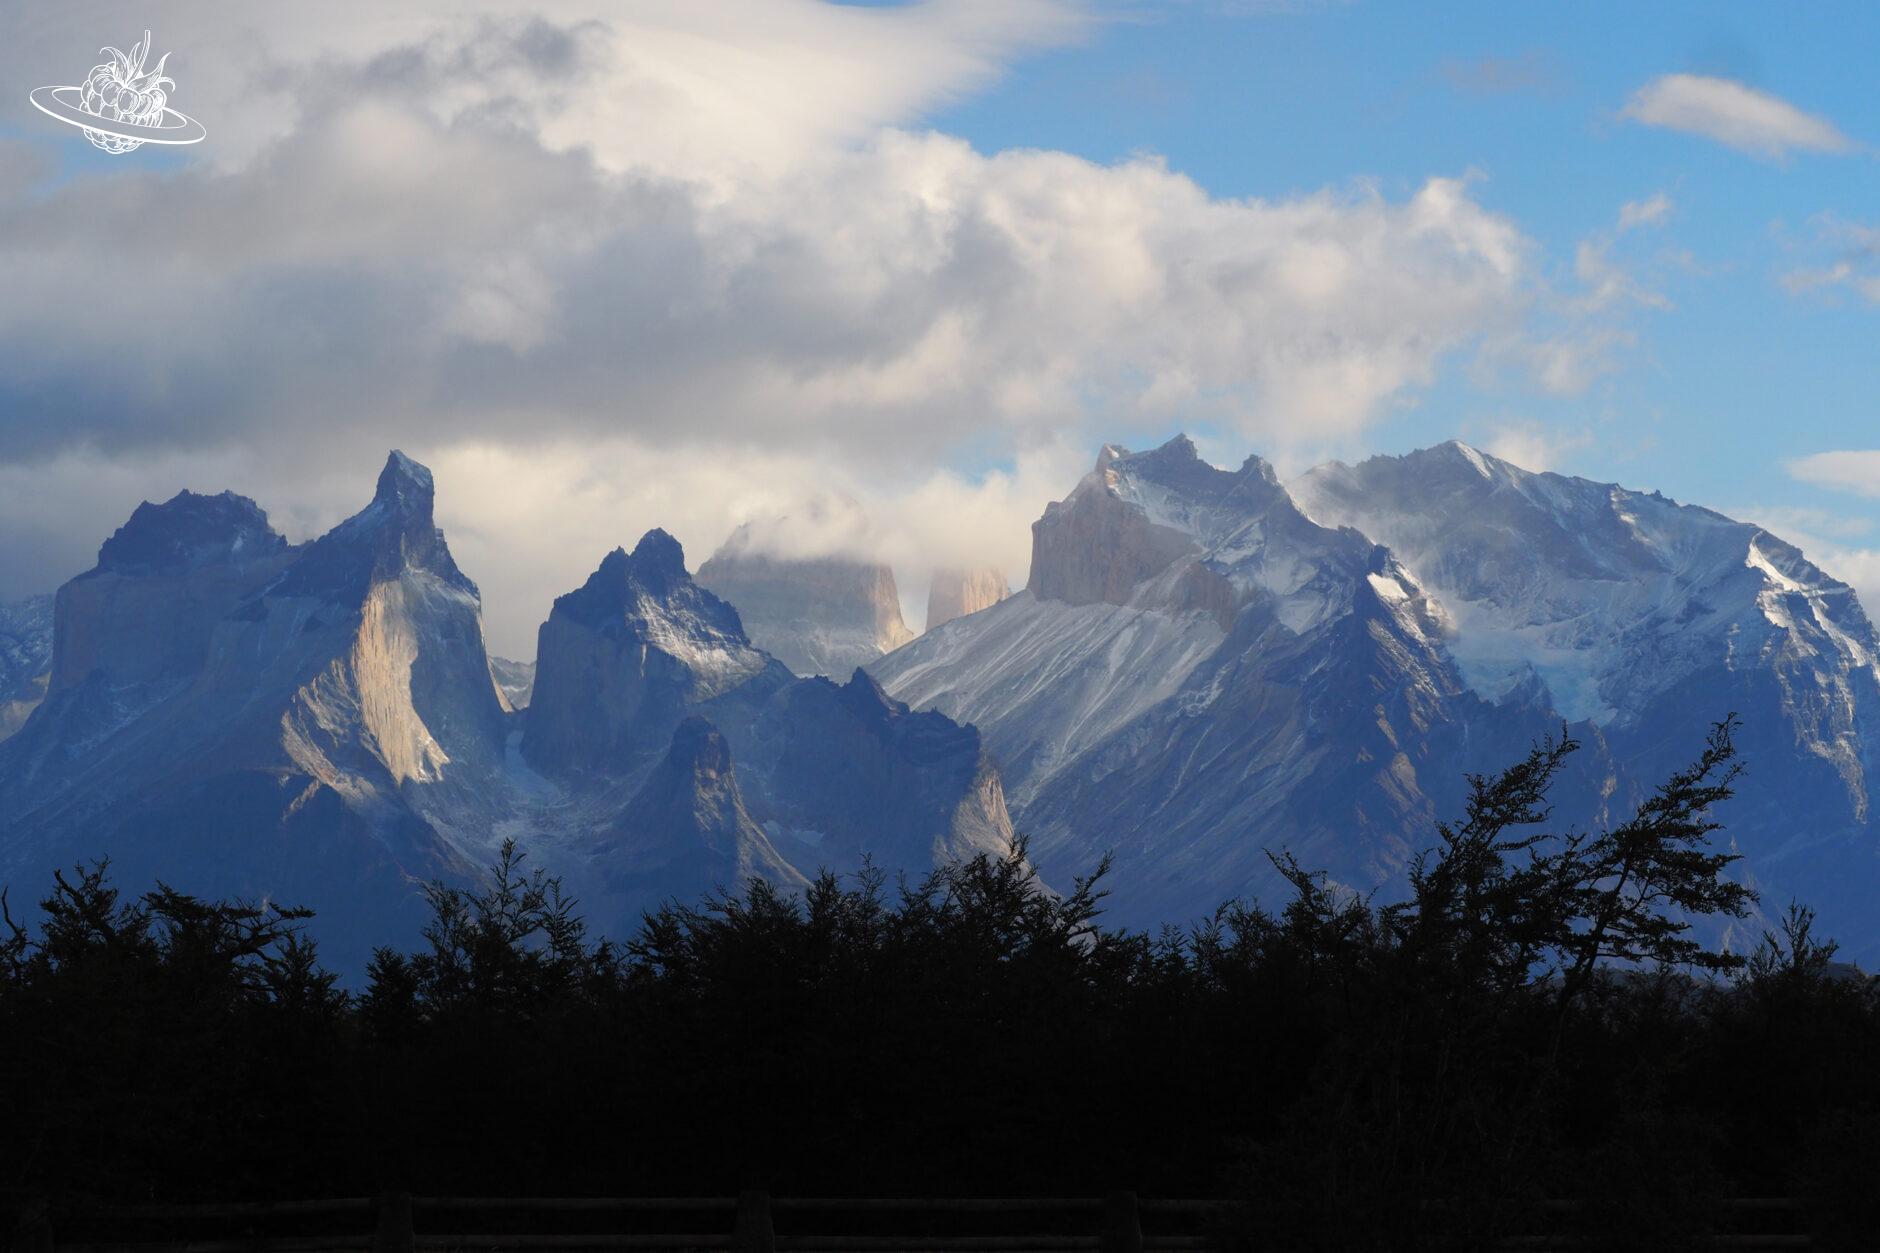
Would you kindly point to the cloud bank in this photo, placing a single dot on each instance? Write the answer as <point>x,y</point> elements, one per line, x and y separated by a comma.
<point>608,266</point>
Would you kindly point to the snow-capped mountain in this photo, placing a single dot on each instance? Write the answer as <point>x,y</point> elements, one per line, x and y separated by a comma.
<point>1648,618</point>
<point>817,615</point>
<point>1201,670</point>
<point>1198,672</point>
<point>25,660</point>
<point>321,725</point>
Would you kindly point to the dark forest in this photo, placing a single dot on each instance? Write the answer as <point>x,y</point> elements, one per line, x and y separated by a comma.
<point>1537,1019</point>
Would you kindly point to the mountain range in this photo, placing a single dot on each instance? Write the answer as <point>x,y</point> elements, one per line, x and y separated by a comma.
<point>1206,667</point>
<point>320,724</point>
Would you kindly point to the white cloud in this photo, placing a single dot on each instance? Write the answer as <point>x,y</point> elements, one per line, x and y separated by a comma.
<point>1651,211</point>
<point>1535,445</point>
<point>613,265</point>
<point>1731,113</point>
<point>1829,540</point>
<point>1851,260</point>
<point>1856,470</point>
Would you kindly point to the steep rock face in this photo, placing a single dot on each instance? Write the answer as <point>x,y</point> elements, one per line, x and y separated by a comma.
<point>1650,619</point>
<point>686,831</point>
<point>623,659</point>
<point>832,773</point>
<point>1198,672</point>
<point>313,724</point>
<point>322,725</point>
<point>822,615</point>
<point>855,774</point>
<point>1097,546</point>
<point>694,760</point>
<point>25,660</point>
<point>145,613</point>
<point>956,593</point>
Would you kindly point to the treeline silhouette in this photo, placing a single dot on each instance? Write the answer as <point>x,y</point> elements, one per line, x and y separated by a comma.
<point>1536,1019</point>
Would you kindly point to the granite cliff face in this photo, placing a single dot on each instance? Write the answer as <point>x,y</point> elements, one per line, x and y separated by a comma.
<point>956,593</point>
<point>145,614</point>
<point>686,831</point>
<point>818,615</point>
<point>25,660</point>
<point>832,773</point>
<point>623,659</point>
<point>322,725</point>
<point>245,717</point>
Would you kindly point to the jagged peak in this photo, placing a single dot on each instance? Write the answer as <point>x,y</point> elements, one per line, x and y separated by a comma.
<point>700,748</point>
<point>656,565</point>
<point>866,696</point>
<point>394,533</point>
<point>1466,457</point>
<point>1260,468</point>
<point>1178,448</point>
<point>190,530</point>
<point>626,586</point>
<point>405,485</point>
<point>659,559</point>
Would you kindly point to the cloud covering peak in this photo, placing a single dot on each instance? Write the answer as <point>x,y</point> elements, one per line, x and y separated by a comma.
<point>626,240</point>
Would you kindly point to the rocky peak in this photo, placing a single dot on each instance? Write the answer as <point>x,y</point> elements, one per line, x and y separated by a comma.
<point>654,571</point>
<point>629,591</point>
<point>867,699</point>
<point>700,751</point>
<point>1137,515</point>
<point>405,486</point>
<point>689,820</point>
<point>189,531</point>
<point>624,656</point>
<point>659,561</point>
<point>392,535</point>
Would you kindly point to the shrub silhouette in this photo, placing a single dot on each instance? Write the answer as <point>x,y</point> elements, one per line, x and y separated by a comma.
<point>1537,1018</point>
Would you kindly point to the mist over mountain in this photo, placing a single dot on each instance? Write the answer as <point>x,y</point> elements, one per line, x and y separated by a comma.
<point>954,593</point>
<point>817,614</point>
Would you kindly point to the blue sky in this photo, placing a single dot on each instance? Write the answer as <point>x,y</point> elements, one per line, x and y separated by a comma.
<point>1733,378</point>
<point>885,277</point>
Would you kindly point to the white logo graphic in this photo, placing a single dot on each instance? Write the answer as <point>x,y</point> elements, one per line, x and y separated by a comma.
<point>122,106</point>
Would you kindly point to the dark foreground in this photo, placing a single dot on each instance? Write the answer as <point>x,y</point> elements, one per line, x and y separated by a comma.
<point>1444,1073</point>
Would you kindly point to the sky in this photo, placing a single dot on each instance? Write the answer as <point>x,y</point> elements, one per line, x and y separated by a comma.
<point>893,273</point>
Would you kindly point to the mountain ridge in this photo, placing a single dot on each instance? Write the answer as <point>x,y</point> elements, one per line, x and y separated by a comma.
<point>1210,664</point>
